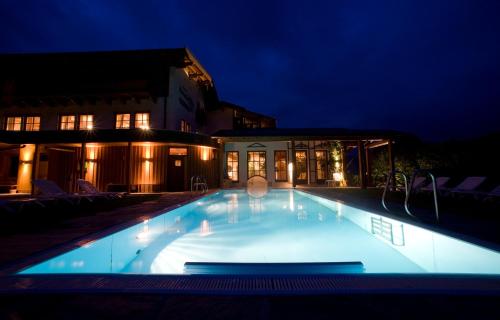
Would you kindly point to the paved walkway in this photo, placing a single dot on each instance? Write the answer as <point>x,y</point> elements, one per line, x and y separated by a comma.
<point>21,245</point>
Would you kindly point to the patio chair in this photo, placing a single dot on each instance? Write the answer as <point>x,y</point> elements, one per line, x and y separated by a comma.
<point>50,190</point>
<point>440,182</point>
<point>468,186</point>
<point>88,188</point>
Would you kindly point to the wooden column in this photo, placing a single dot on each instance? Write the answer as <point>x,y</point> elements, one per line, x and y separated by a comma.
<point>392,166</point>
<point>368,167</point>
<point>83,155</point>
<point>343,150</point>
<point>128,164</point>
<point>294,166</point>
<point>34,169</point>
<point>361,165</point>
<point>222,161</point>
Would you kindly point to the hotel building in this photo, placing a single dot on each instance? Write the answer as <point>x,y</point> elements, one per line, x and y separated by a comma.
<point>148,121</point>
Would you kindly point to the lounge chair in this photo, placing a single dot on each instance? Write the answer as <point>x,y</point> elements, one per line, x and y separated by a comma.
<point>440,182</point>
<point>88,188</point>
<point>418,183</point>
<point>50,190</point>
<point>493,194</point>
<point>468,186</point>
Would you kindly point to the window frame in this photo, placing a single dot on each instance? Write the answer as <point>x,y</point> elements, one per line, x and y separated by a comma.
<point>238,168</point>
<point>265,164</point>
<point>325,162</point>
<point>80,121</point>
<point>130,121</point>
<point>75,123</point>
<point>32,116</point>
<point>295,169</point>
<point>14,116</point>
<point>286,164</point>
<point>134,120</point>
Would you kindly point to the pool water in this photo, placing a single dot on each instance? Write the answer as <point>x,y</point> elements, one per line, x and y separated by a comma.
<point>284,226</point>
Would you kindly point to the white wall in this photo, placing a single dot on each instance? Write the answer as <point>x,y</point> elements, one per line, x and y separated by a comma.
<point>269,148</point>
<point>176,111</point>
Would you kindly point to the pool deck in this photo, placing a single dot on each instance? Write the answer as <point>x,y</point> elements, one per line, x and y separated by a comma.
<point>245,297</point>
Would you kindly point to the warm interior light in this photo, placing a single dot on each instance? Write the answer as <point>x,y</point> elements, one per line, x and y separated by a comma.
<point>26,156</point>
<point>338,176</point>
<point>290,171</point>
<point>205,153</point>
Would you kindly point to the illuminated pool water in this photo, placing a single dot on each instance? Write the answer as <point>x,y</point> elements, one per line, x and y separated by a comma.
<point>283,226</point>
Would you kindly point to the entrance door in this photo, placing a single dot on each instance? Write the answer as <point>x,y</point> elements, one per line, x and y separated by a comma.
<point>301,166</point>
<point>175,173</point>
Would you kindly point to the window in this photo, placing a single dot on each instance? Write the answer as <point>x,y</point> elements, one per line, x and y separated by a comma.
<point>123,121</point>
<point>256,163</point>
<point>321,168</point>
<point>185,126</point>
<point>178,151</point>
<point>14,123</point>
<point>33,123</point>
<point>67,123</point>
<point>301,165</point>
<point>280,165</point>
<point>142,120</point>
<point>86,122</point>
<point>232,158</point>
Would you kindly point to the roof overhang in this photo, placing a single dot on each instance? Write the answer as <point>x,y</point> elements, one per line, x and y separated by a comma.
<point>92,136</point>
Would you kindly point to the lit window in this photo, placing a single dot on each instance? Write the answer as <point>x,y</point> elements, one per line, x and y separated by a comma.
<point>178,152</point>
<point>185,126</point>
<point>321,165</point>
<point>67,123</point>
<point>280,165</point>
<point>14,123</point>
<point>232,158</point>
<point>123,121</point>
<point>32,123</point>
<point>86,122</point>
<point>256,163</point>
<point>142,120</point>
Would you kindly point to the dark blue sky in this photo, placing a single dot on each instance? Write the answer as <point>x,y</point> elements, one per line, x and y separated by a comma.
<point>427,67</point>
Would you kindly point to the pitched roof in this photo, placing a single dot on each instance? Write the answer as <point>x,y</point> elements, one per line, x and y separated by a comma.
<point>139,72</point>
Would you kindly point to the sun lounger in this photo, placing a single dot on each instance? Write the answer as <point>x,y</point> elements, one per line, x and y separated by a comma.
<point>440,183</point>
<point>88,188</point>
<point>468,186</point>
<point>418,183</point>
<point>50,190</point>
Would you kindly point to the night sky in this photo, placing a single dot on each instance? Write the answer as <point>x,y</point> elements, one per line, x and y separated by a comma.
<point>426,67</point>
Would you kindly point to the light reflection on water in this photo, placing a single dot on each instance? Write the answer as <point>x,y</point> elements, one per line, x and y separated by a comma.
<point>283,226</point>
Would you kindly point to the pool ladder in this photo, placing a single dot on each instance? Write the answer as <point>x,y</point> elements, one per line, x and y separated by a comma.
<point>197,183</point>
<point>409,188</point>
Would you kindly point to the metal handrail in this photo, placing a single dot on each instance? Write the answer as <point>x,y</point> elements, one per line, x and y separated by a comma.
<point>390,176</point>
<point>197,181</point>
<point>434,190</point>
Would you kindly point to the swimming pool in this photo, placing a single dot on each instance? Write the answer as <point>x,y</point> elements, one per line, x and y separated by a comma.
<point>285,226</point>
